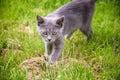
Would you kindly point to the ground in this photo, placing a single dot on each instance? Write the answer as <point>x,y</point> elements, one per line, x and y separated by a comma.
<point>22,49</point>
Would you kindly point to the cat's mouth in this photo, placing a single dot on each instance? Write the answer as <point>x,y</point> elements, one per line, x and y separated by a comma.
<point>49,41</point>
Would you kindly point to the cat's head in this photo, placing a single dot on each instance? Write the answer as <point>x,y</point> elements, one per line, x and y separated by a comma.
<point>50,28</point>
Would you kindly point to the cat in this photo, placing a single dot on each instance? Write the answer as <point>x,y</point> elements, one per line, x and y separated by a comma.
<point>62,23</point>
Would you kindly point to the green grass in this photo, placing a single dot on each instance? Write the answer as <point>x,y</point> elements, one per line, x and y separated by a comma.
<point>19,40</point>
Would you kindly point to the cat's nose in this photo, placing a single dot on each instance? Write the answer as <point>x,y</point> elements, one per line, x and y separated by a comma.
<point>49,39</point>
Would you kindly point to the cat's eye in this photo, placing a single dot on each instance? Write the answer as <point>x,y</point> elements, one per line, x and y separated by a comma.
<point>54,33</point>
<point>45,33</point>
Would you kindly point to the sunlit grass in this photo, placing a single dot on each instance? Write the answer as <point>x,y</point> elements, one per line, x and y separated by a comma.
<point>97,59</point>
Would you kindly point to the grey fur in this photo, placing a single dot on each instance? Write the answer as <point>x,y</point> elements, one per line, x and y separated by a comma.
<point>64,21</point>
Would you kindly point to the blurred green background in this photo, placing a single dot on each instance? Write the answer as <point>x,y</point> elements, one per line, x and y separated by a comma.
<point>19,40</point>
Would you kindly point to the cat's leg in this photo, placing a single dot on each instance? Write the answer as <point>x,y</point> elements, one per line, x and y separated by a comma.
<point>69,34</point>
<point>58,46</point>
<point>48,50</point>
<point>87,30</point>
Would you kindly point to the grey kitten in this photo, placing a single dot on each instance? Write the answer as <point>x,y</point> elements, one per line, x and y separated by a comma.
<point>62,23</point>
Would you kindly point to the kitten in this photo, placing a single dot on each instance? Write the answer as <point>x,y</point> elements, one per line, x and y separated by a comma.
<point>62,23</point>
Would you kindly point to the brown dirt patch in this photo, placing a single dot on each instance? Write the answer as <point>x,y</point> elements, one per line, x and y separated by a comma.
<point>36,67</point>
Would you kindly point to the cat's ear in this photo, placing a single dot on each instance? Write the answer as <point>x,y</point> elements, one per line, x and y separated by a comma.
<point>40,20</point>
<point>60,21</point>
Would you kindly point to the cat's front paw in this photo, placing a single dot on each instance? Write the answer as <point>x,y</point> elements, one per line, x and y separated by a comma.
<point>51,62</point>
